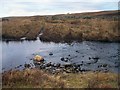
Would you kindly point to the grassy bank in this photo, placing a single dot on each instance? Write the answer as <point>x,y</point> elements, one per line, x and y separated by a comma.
<point>34,78</point>
<point>97,26</point>
<point>82,29</point>
<point>16,28</point>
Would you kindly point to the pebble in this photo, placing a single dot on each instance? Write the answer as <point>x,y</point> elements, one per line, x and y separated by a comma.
<point>62,59</point>
<point>77,51</point>
<point>96,58</point>
<point>48,64</point>
<point>68,55</point>
<point>50,53</point>
<point>27,65</point>
<point>58,65</point>
<point>89,58</point>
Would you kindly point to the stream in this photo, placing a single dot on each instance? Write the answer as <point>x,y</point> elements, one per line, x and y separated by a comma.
<point>90,55</point>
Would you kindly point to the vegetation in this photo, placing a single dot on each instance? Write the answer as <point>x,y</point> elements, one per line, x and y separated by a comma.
<point>97,26</point>
<point>16,28</point>
<point>34,78</point>
<point>100,26</point>
<point>83,29</point>
<point>30,78</point>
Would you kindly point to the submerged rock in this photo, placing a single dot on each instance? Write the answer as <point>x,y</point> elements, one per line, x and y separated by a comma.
<point>62,59</point>
<point>65,59</point>
<point>18,66</point>
<point>89,58</point>
<point>66,65</point>
<point>69,55</point>
<point>96,58</point>
<point>77,51</point>
<point>27,65</point>
<point>38,58</point>
<point>50,53</point>
<point>58,65</point>
<point>104,65</point>
<point>49,64</point>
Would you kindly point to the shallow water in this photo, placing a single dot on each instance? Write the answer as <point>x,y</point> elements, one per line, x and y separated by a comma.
<point>18,53</point>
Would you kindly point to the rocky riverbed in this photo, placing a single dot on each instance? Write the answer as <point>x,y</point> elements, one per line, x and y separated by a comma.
<point>63,57</point>
<point>91,58</point>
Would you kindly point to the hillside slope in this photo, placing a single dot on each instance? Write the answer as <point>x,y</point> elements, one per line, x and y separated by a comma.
<point>98,26</point>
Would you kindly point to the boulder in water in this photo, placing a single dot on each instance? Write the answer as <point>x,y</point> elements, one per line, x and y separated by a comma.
<point>38,58</point>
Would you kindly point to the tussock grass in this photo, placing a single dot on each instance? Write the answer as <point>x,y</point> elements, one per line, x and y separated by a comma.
<point>83,29</point>
<point>34,78</point>
<point>92,80</point>
<point>99,26</point>
<point>17,28</point>
<point>30,78</point>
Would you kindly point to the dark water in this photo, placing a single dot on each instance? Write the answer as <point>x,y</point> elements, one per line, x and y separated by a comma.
<point>15,54</point>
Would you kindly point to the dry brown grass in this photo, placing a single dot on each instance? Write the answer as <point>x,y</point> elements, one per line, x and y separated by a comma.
<point>34,78</point>
<point>31,78</point>
<point>91,80</point>
<point>60,28</point>
<point>83,29</point>
<point>17,28</point>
